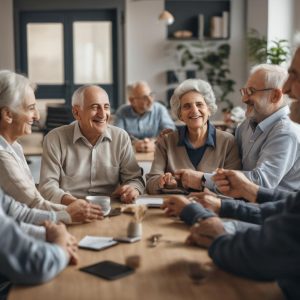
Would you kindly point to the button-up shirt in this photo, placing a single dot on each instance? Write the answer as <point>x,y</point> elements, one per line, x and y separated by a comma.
<point>148,125</point>
<point>71,165</point>
<point>270,151</point>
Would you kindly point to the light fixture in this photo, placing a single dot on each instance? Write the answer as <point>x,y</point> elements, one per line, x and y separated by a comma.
<point>167,17</point>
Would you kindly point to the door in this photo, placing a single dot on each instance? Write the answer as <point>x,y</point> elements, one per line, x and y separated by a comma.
<point>62,50</point>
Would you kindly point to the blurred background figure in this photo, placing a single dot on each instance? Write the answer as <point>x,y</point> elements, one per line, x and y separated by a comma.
<point>143,118</point>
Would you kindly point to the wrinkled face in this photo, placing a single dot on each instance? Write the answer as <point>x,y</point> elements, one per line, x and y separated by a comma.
<point>292,85</point>
<point>194,111</point>
<point>23,120</point>
<point>141,99</point>
<point>259,105</point>
<point>94,114</point>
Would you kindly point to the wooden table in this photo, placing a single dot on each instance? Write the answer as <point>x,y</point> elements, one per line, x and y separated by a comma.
<point>163,274</point>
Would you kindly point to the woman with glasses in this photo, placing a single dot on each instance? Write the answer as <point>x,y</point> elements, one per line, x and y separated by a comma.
<point>187,157</point>
<point>18,113</point>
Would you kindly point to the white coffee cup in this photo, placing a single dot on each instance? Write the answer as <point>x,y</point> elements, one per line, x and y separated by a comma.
<point>103,201</point>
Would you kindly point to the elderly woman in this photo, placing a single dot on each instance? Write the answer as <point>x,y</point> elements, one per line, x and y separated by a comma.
<point>186,158</point>
<point>17,114</point>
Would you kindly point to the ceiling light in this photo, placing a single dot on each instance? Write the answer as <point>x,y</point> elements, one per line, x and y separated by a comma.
<point>167,17</point>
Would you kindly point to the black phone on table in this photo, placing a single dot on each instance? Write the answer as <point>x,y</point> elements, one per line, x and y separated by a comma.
<point>109,270</point>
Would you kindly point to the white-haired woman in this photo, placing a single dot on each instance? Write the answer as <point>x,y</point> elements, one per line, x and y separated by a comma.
<point>188,156</point>
<point>18,112</point>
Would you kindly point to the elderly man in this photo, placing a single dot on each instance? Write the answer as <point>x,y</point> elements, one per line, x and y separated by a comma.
<point>143,119</point>
<point>89,156</point>
<point>269,142</point>
<point>269,252</point>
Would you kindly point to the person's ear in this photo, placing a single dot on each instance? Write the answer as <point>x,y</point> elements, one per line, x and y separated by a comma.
<point>6,115</point>
<point>276,95</point>
<point>75,111</point>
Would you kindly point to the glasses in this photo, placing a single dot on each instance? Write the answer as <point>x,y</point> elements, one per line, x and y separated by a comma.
<point>251,90</point>
<point>146,97</point>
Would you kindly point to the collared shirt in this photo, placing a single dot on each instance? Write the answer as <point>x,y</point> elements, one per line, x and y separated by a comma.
<point>196,154</point>
<point>149,125</point>
<point>271,151</point>
<point>71,165</point>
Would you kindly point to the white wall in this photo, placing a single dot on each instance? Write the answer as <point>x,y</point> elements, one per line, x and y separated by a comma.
<point>7,60</point>
<point>281,19</point>
<point>145,42</point>
<point>257,16</point>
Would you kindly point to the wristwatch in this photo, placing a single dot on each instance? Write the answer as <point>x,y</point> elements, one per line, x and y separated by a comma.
<point>203,180</point>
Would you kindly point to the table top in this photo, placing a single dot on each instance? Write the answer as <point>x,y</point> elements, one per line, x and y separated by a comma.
<point>163,273</point>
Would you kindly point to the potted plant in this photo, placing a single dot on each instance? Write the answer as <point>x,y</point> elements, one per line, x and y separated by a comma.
<point>277,52</point>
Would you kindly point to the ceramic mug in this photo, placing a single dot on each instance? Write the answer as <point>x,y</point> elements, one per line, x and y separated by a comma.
<point>103,201</point>
<point>134,229</point>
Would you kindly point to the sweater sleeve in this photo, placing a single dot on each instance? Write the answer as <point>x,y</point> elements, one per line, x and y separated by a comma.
<point>249,212</point>
<point>16,184</point>
<point>158,167</point>
<point>193,212</point>
<point>269,195</point>
<point>22,213</point>
<point>266,253</point>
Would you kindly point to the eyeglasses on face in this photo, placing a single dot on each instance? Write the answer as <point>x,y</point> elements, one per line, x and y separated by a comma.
<point>146,97</point>
<point>251,90</point>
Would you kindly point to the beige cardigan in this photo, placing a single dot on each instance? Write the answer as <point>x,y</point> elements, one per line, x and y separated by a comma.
<point>170,157</point>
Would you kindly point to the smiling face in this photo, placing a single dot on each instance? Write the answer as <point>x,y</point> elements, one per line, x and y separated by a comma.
<point>94,114</point>
<point>194,111</point>
<point>23,119</point>
<point>259,105</point>
<point>141,99</point>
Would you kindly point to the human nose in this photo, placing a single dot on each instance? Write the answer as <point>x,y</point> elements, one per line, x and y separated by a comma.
<point>100,111</point>
<point>287,86</point>
<point>37,114</point>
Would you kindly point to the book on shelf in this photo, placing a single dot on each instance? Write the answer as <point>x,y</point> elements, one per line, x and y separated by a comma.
<point>216,27</point>
<point>219,26</point>
<point>225,19</point>
<point>200,26</point>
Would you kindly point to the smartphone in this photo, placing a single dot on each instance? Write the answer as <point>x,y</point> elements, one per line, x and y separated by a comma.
<point>127,239</point>
<point>108,270</point>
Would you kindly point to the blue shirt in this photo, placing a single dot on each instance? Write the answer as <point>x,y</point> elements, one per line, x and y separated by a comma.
<point>196,154</point>
<point>149,125</point>
<point>23,259</point>
<point>271,151</point>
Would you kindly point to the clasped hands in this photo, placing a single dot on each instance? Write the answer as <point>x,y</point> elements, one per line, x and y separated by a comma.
<point>146,145</point>
<point>182,177</point>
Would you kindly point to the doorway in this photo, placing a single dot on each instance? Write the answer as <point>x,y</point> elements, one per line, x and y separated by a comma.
<point>63,49</point>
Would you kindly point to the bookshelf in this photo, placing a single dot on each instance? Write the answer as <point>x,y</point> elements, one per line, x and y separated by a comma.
<point>206,19</point>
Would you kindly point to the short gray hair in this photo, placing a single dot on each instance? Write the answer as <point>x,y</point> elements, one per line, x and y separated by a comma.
<point>132,86</point>
<point>275,76</point>
<point>78,95</point>
<point>197,85</point>
<point>13,89</point>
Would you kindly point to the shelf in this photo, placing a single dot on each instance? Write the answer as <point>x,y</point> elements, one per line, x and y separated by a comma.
<point>186,14</point>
